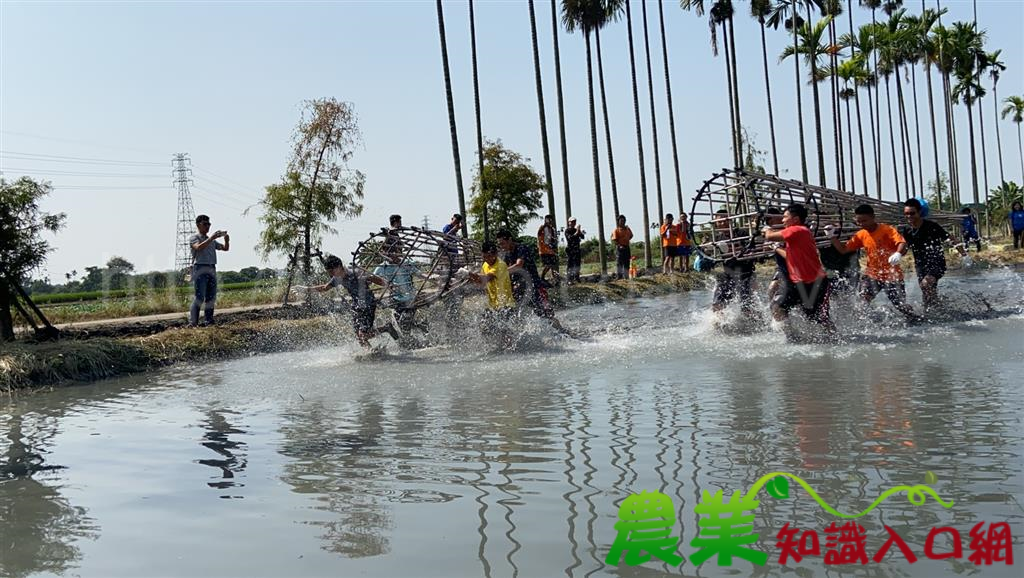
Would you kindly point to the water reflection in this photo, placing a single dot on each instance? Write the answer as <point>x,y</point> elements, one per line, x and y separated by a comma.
<point>40,527</point>
<point>217,437</point>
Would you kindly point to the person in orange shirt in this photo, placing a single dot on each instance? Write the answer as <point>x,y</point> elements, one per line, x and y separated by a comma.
<point>683,246</point>
<point>621,236</point>
<point>669,242</point>
<point>885,248</point>
<point>547,246</point>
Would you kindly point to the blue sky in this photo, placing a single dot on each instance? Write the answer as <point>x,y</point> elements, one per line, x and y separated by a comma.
<point>135,82</point>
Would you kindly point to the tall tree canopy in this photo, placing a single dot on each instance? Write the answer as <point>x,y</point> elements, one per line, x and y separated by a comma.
<point>22,247</point>
<point>514,190</point>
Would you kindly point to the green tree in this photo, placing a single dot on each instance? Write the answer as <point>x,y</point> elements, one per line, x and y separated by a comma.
<point>813,49</point>
<point>22,247</point>
<point>319,187</point>
<point>117,272</point>
<point>514,190</point>
<point>937,189</point>
<point>1001,202</point>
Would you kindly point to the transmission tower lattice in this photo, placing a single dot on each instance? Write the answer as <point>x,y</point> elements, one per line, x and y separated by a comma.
<point>186,212</point>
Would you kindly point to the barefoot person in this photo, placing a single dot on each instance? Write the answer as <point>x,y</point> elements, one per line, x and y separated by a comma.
<point>204,269</point>
<point>528,288</point>
<point>737,276</point>
<point>927,240</point>
<point>885,248</point>
<point>804,284</point>
<point>363,302</point>
<point>669,241</point>
<point>684,248</point>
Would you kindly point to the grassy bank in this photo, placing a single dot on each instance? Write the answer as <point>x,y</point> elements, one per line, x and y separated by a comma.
<point>25,365</point>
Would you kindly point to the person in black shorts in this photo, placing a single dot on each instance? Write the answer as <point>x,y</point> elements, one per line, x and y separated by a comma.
<point>364,303</point>
<point>927,240</point>
<point>528,288</point>
<point>574,256</point>
<point>737,277</point>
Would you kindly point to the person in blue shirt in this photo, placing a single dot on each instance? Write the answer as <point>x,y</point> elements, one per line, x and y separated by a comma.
<point>1017,224</point>
<point>454,226</point>
<point>970,229</point>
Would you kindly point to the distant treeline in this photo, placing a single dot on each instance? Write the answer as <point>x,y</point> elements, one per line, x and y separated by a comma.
<point>118,278</point>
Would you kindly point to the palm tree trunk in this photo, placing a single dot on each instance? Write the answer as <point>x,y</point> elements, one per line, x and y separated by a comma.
<point>849,143</point>
<point>1020,150</point>
<point>479,126</point>
<point>917,132</point>
<point>892,139</point>
<point>607,126</point>
<point>735,90</point>
<point>540,109</point>
<point>856,101</point>
<point>935,135</point>
<point>654,118</point>
<point>984,166</point>
<point>999,140</point>
<point>736,160</point>
<point>908,153</point>
<point>954,168</point>
<point>799,99</point>
<point>947,113</point>
<point>817,124</point>
<point>860,138</point>
<point>672,117</point>
<point>561,109</point>
<point>451,117</point>
<point>837,116</point>
<point>878,115</point>
<point>974,162</point>
<point>874,142</point>
<point>648,260</point>
<point>768,93</point>
<point>597,166</point>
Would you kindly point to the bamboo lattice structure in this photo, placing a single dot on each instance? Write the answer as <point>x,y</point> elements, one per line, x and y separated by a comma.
<point>430,258</point>
<point>732,207</point>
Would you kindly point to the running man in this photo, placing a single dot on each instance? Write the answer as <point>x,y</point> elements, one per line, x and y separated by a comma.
<point>927,239</point>
<point>527,286</point>
<point>547,246</point>
<point>737,276</point>
<point>363,305</point>
<point>497,282</point>
<point>621,236</point>
<point>885,248</point>
<point>804,284</point>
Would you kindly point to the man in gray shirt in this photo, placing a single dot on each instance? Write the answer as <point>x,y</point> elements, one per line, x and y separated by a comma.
<point>204,269</point>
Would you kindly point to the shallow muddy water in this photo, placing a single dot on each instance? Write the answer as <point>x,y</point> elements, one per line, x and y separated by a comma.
<point>454,461</point>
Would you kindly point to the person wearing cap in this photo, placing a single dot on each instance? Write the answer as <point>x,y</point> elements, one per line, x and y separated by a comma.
<point>204,269</point>
<point>573,255</point>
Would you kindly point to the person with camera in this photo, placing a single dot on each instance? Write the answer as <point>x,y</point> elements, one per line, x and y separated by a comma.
<point>204,269</point>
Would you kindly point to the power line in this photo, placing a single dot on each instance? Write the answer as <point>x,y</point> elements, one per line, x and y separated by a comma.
<point>104,188</point>
<point>222,177</point>
<point>76,160</point>
<point>55,139</point>
<point>79,173</point>
<point>237,195</point>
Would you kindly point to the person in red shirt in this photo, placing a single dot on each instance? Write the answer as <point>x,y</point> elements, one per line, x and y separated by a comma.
<point>805,283</point>
<point>885,248</point>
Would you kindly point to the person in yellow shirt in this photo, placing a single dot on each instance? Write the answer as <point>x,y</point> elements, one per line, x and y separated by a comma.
<point>497,283</point>
<point>621,236</point>
<point>885,248</point>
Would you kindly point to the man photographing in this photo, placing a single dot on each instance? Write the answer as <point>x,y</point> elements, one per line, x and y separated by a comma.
<point>204,269</point>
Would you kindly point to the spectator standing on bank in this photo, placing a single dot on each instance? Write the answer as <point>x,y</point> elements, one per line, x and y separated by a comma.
<point>547,246</point>
<point>1017,224</point>
<point>621,236</point>
<point>204,269</point>
<point>574,256</point>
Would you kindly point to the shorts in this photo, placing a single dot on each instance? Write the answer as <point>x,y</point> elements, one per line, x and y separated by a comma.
<point>896,291</point>
<point>362,318</point>
<point>930,270</point>
<point>668,251</point>
<point>684,250</point>
<point>735,278</point>
<point>549,260</point>
<point>812,298</point>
